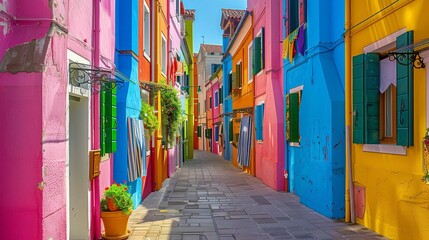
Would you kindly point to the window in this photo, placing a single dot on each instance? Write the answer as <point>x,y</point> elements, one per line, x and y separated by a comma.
<point>258,60</point>
<point>146,26</point>
<point>230,83</point>
<point>215,67</point>
<point>231,131</point>
<point>387,101</point>
<point>296,14</point>
<point>216,133</point>
<point>216,99</point>
<point>199,131</point>
<point>221,95</point>
<point>163,55</point>
<point>259,122</point>
<point>210,103</point>
<point>383,113</point>
<point>250,63</point>
<point>293,102</point>
<point>237,81</point>
<point>108,121</point>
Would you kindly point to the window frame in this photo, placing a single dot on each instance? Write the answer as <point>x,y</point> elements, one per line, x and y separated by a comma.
<point>146,38</point>
<point>259,34</point>
<point>262,123</point>
<point>383,45</point>
<point>163,55</point>
<point>250,63</point>
<point>216,99</point>
<point>298,90</point>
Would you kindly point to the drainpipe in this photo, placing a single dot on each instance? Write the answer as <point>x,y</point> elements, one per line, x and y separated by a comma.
<point>168,74</point>
<point>95,143</point>
<point>349,216</point>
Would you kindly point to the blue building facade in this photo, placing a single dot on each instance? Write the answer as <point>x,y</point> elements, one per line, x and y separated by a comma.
<point>227,100</point>
<point>315,96</point>
<point>128,97</point>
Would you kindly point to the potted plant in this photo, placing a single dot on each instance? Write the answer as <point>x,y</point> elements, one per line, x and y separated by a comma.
<point>171,113</point>
<point>425,177</point>
<point>116,208</point>
<point>147,113</point>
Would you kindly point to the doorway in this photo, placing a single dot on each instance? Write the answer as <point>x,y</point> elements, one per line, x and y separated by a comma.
<point>78,168</point>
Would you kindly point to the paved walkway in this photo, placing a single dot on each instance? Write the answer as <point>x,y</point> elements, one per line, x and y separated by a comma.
<point>210,199</point>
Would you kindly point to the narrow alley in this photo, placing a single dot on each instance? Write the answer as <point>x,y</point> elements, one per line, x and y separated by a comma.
<point>209,199</point>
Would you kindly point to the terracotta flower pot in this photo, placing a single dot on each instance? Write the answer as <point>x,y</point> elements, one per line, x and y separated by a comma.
<point>111,205</point>
<point>115,225</point>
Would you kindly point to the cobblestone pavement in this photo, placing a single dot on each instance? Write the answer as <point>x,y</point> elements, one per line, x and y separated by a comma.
<point>209,199</point>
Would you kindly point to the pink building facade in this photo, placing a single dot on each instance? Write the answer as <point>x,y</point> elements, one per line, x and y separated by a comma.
<point>216,119</point>
<point>269,153</point>
<point>49,125</point>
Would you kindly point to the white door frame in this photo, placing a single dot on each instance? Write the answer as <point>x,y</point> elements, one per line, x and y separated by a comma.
<point>83,94</point>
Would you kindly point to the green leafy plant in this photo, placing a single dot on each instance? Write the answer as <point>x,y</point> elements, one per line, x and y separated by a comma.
<point>171,112</point>
<point>147,113</point>
<point>117,198</point>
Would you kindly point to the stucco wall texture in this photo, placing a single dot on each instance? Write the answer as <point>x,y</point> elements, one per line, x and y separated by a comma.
<point>395,196</point>
<point>40,89</point>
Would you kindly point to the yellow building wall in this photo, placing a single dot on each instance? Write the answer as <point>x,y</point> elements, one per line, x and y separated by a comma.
<point>161,153</point>
<point>397,201</point>
<point>244,99</point>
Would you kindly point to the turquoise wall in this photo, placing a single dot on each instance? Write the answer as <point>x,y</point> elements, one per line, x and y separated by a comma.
<point>128,97</point>
<point>317,166</point>
<point>227,101</point>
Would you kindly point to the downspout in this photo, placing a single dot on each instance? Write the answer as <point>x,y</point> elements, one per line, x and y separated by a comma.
<point>349,215</point>
<point>95,143</point>
<point>168,75</point>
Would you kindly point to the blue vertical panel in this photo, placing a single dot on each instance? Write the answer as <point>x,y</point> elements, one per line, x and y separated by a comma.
<point>227,104</point>
<point>128,97</point>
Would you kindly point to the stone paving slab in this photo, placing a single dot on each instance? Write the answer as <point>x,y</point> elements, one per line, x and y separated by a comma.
<point>209,199</point>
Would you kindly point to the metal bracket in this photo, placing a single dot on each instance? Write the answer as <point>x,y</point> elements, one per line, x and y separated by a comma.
<point>100,79</point>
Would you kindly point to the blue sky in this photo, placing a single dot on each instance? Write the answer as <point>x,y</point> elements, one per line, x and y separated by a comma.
<point>207,19</point>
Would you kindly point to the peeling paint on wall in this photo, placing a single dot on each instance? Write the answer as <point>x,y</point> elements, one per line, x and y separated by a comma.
<point>26,57</point>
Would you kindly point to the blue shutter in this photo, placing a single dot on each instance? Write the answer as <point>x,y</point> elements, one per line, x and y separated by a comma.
<point>404,96</point>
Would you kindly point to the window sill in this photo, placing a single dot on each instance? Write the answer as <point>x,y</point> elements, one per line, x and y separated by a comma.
<point>260,73</point>
<point>385,148</point>
<point>294,144</point>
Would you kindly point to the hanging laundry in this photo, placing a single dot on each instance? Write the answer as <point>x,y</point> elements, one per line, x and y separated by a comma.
<point>285,47</point>
<point>292,38</point>
<point>300,40</point>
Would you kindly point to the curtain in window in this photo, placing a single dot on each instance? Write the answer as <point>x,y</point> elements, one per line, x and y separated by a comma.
<point>245,141</point>
<point>387,74</point>
<point>136,149</point>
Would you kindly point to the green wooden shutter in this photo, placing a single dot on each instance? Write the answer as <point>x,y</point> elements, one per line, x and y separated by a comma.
<point>221,95</point>
<point>111,123</point>
<point>294,117</point>
<point>234,79</point>
<point>210,133</point>
<point>358,98</point>
<point>372,98</point>
<point>262,48</point>
<point>404,95</point>
<point>239,75</point>
<point>103,122</point>
<point>199,131</point>
<point>256,55</point>
<point>231,131</point>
